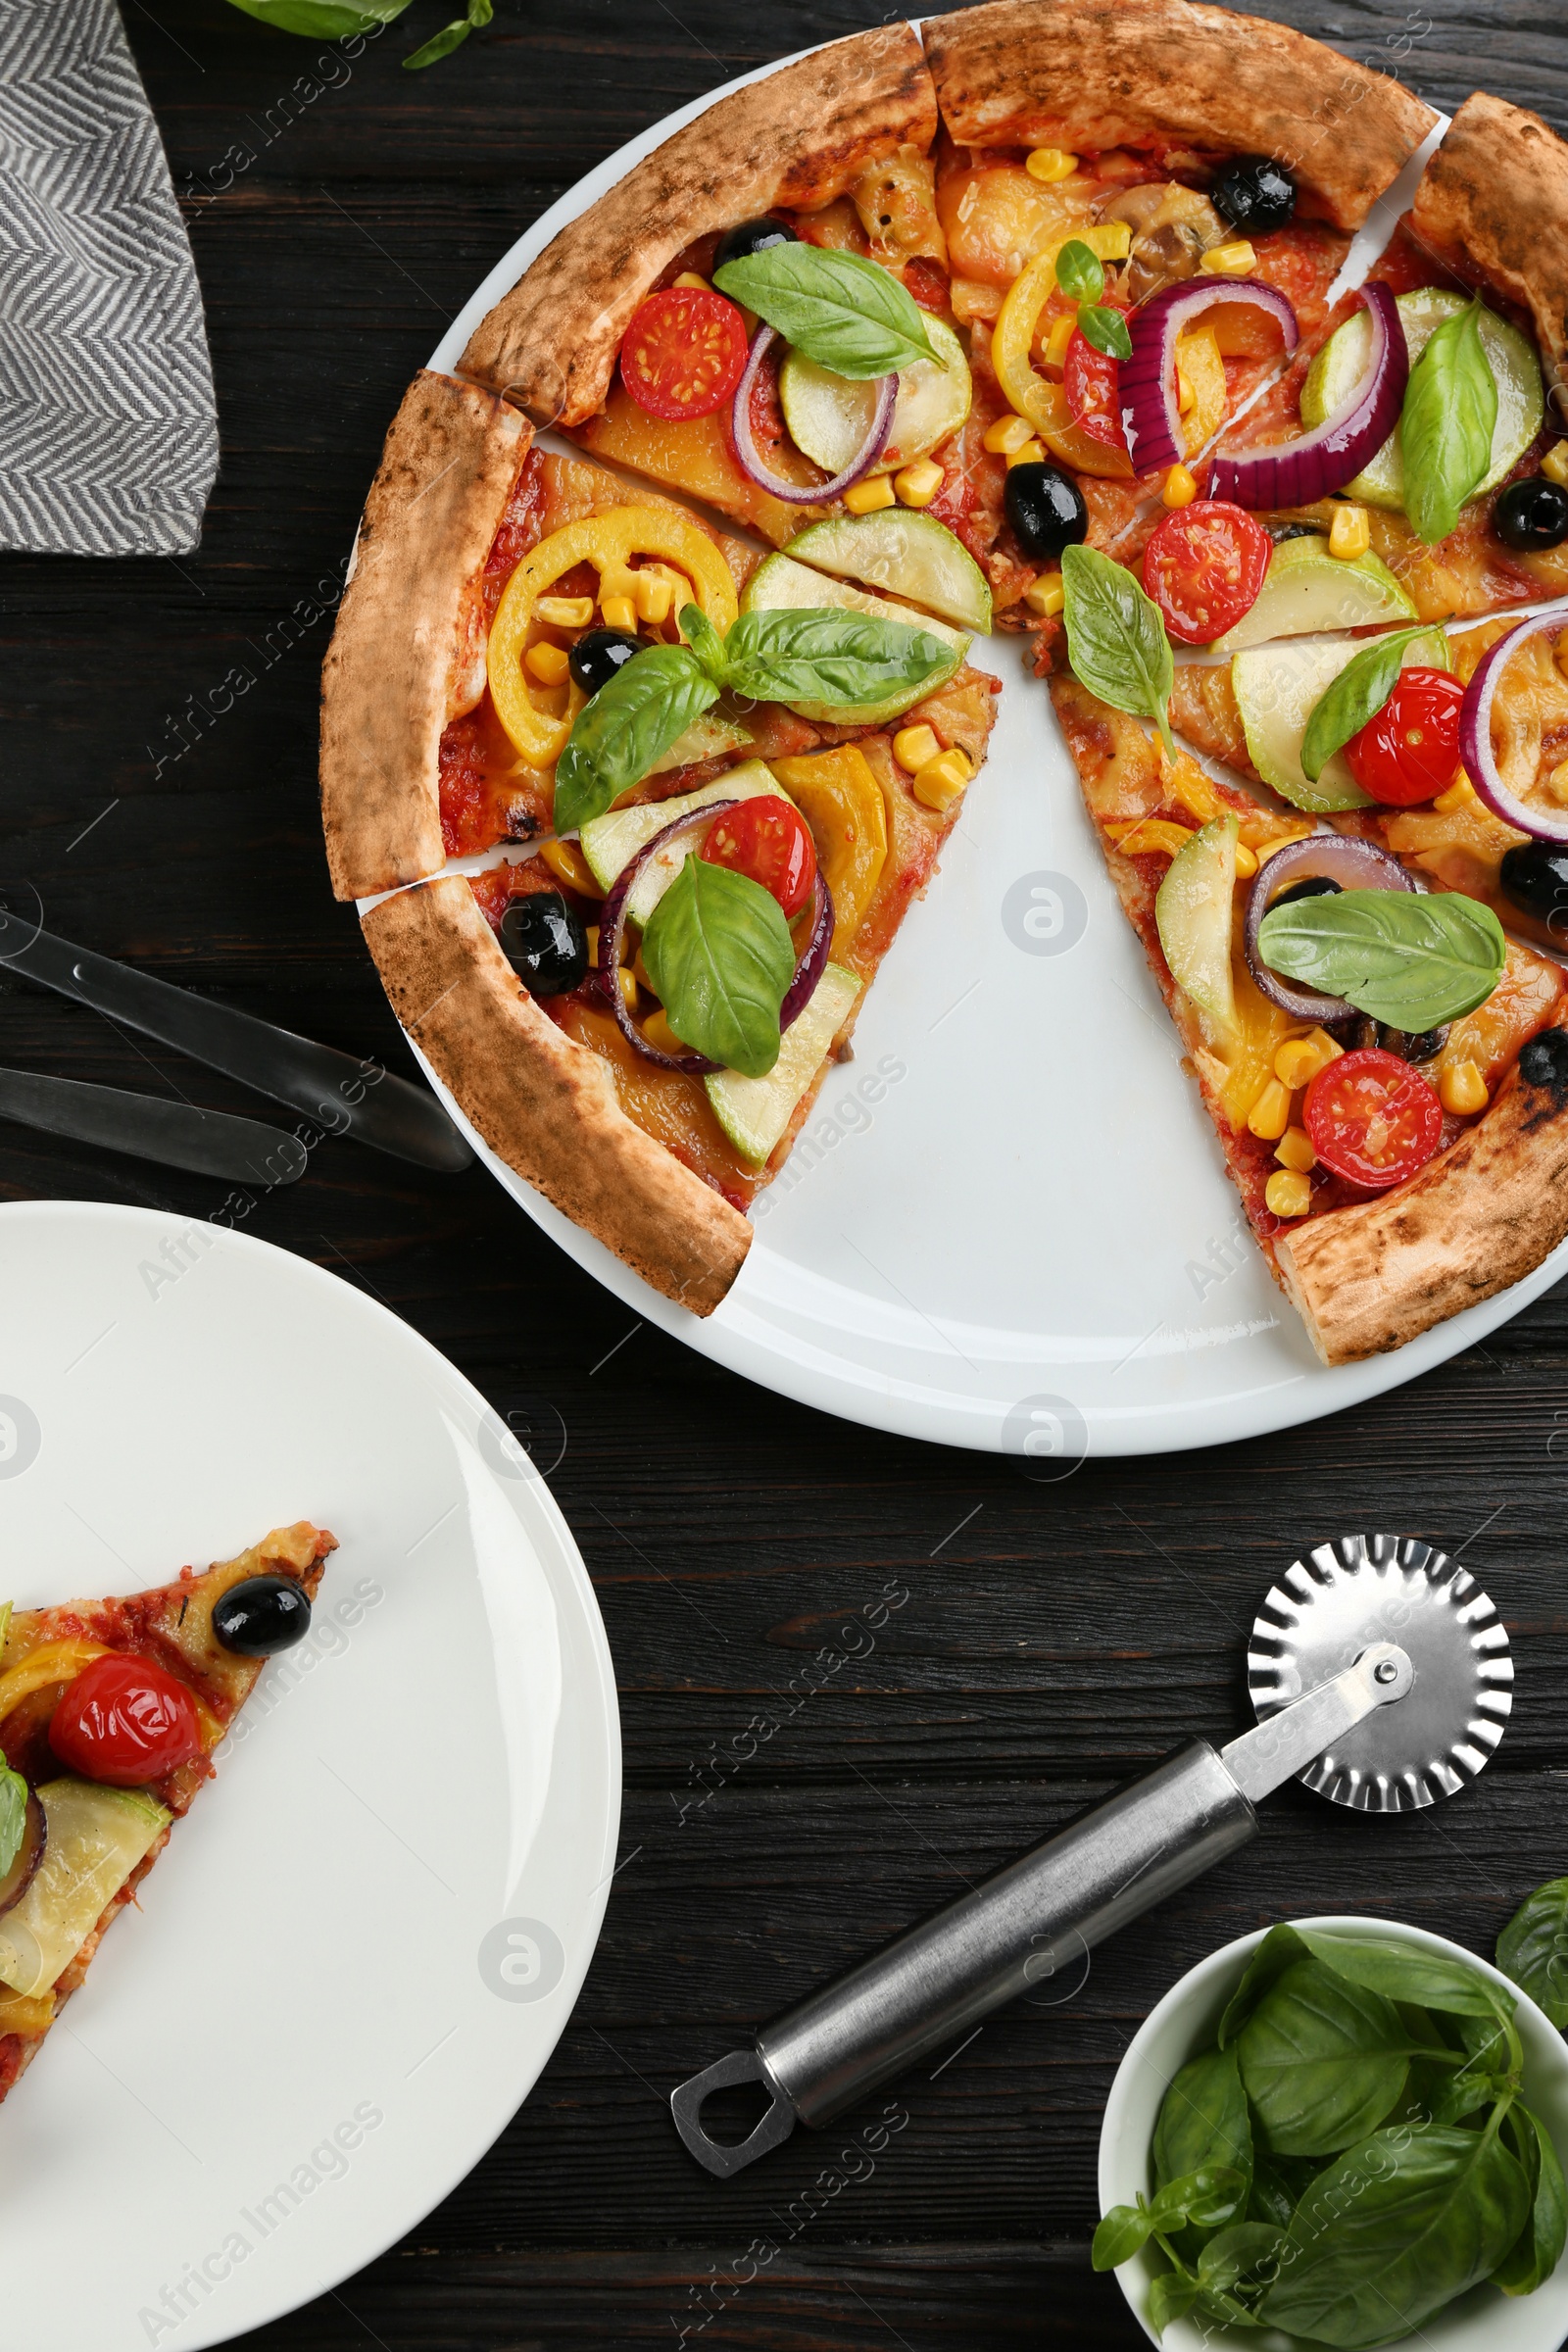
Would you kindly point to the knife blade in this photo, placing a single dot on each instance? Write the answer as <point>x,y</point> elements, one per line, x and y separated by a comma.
<point>209,1141</point>
<point>346,1095</point>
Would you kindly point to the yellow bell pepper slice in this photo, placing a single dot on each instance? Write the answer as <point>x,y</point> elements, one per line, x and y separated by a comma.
<point>1044,403</point>
<point>1150,836</point>
<point>51,1662</point>
<point>1198,355</point>
<point>838,794</point>
<point>607,542</point>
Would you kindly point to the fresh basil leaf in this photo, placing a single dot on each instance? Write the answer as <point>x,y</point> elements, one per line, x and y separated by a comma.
<point>1210,2198</point>
<point>1080,273</point>
<point>1532,1949</point>
<point>1538,2247</point>
<point>1399,2227</point>
<point>1120,2235</point>
<point>440,44</point>
<point>1106,330</point>
<point>1322,2060</point>
<point>1203,2121</point>
<point>847,314</point>
<point>1116,640</point>
<point>1277,2186</point>
<point>1355,696</point>
<point>830,655</point>
<point>720,955</point>
<point>1411,959</point>
<point>1278,1950</point>
<point>621,732</point>
<point>324,19</point>
<point>13,1814</point>
<point>1445,426</point>
<point>706,644</point>
<point>1171,2296</point>
<point>1237,2253</point>
<point>1406,1972</point>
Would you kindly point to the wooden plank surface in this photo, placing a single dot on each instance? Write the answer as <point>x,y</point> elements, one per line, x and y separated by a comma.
<point>1049,1639</point>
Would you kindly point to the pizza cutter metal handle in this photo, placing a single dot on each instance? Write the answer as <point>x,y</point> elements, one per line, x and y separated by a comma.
<point>1029,1921</point>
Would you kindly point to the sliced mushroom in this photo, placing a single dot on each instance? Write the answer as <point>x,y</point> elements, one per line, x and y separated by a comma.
<point>1172,227</point>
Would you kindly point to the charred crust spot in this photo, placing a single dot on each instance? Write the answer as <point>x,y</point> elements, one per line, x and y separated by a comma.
<point>1544,1062</point>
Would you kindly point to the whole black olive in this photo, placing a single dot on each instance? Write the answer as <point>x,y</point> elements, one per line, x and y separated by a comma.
<point>262,1616</point>
<point>752,236</point>
<point>1533,515</point>
<point>1045,509</point>
<point>1544,1061</point>
<point>1424,1045</point>
<point>597,655</point>
<point>1315,886</point>
<point>1535,875</point>
<point>545,943</point>
<point>1253,193</point>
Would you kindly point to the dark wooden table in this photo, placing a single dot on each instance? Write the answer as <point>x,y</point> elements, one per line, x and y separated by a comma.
<point>1054,1638</point>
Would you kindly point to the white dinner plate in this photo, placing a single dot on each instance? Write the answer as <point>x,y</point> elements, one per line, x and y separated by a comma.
<point>1008,1224</point>
<point>348,1967</point>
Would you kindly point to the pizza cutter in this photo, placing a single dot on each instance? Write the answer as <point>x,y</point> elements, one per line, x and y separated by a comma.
<point>1380,1675</point>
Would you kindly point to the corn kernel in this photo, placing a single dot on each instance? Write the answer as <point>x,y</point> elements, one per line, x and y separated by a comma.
<point>568,864</point>
<point>1245,863</point>
<point>1458,794</point>
<point>1350,533</point>
<point>942,780</point>
<point>1235,259</point>
<point>1050,164</point>
<point>1111,240</point>
<point>1557,783</point>
<point>1270,1115</point>
<point>658,1033</point>
<point>1005,435</point>
<point>621,613</point>
<point>1462,1089</point>
<point>1288,1193</point>
<point>918,485</point>
<point>689,277</point>
<point>564,612</point>
<point>1295,1150</point>
<point>652,596</point>
<point>1298,1060</point>
<point>1028,453</point>
<point>912,747</point>
<point>1057,338</point>
<point>627,983</point>
<point>1179,489</point>
<point>545,661</point>
<point>1047,595</point>
<point>1554,464</point>
<point>866,497</point>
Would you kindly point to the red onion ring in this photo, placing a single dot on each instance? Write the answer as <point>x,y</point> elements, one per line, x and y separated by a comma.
<point>1475,733</point>
<point>1147,383</point>
<point>613,932</point>
<point>746,450</point>
<point>1333,452</point>
<point>1340,858</point>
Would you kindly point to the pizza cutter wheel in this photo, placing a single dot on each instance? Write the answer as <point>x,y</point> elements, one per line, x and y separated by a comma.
<point>1381,1676</point>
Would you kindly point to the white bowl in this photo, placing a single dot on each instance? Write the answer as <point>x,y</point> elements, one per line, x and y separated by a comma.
<point>1185,2022</point>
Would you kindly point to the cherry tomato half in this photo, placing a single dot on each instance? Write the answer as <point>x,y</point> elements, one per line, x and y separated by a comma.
<point>1204,566</point>
<point>1372,1118</point>
<point>1410,750</point>
<point>125,1721</point>
<point>1091,381</point>
<point>771,842</point>
<point>684,352</point>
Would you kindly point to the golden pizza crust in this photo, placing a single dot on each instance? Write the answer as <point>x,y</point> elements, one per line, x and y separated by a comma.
<point>1494,198</point>
<point>1102,74</point>
<point>410,630</point>
<point>798,138</point>
<point>1478,1218</point>
<point>544,1104</point>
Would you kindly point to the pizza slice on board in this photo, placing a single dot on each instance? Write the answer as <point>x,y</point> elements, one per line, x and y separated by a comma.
<point>108,1714</point>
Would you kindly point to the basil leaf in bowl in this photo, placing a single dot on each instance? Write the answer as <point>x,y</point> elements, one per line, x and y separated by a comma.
<point>1532,1949</point>
<point>1413,959</point>
<point>720,955</point>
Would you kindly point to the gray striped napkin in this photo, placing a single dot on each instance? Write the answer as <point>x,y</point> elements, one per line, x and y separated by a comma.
<point>108,425</point>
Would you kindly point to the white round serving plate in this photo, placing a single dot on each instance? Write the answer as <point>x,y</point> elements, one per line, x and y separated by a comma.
<point>1184,2024</point>
<point>358,1949</point>
<point>1008,1224</point>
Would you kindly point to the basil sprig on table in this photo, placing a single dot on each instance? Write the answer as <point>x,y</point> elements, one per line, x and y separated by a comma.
<point>1116,640</point>
<point>845,313</point>
<point>1445,427</point>
<point>1338,2093</point>
<point>831,656</point>
<point>360,19</point>
<point>720,955</point>
<point>1413,960</point>
<point>1355,696</point>
<point>13,1814</point>
<point>1081,274</point>
<point>1532,1949</point>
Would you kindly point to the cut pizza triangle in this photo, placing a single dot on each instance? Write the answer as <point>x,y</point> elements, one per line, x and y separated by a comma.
<point>99,1841</point>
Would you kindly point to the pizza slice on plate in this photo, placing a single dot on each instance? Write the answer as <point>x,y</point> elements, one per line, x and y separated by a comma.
<point>108,1714</point>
